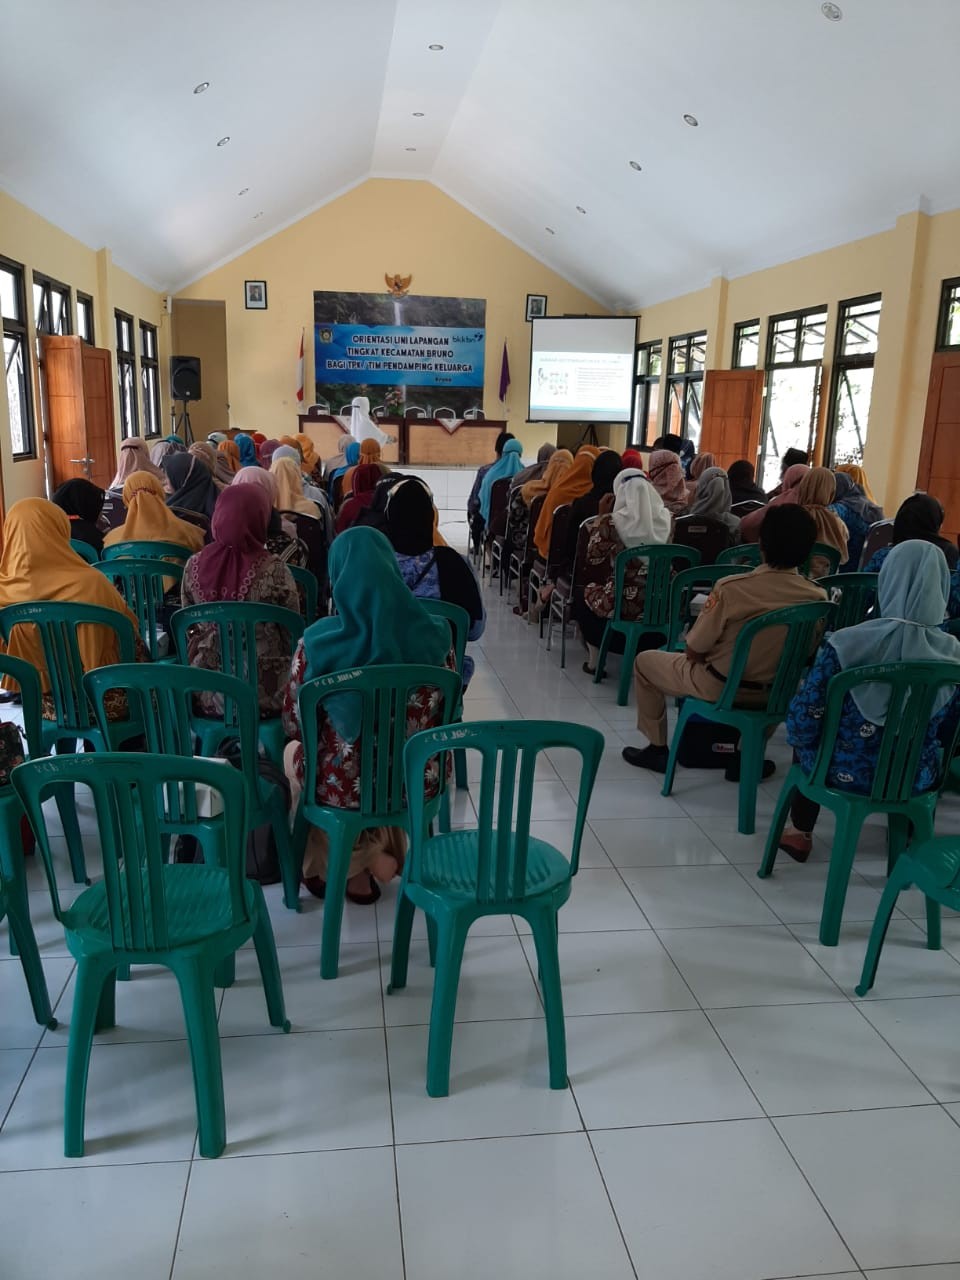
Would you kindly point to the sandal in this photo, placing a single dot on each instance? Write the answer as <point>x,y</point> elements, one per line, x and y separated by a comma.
<point>315,885</point>
<point>592,671</point>
<point>365,899</point>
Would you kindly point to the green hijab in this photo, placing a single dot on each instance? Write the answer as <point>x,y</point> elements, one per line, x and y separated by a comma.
<point>378,621</point>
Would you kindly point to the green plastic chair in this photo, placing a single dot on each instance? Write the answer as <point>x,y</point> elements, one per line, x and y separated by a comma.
<point>84,550</point>
<point>934,867</point>
<point>14,901</point>
<point>146,911</point>
<point>801,623</point>
<point>383,694</point>
<point>684,589</point>
<point>495,869</point>
<point>459,621</point>
<point>661,563</point>
<point>236,623</point>
<point>853,596</point>
<point>57,625</point>
<point>913,687</point>
<point>745,554</point>
<point>308,591</point>
<point>169,551</point>
<point>822,551</point>
<point>142,583</point>
<point>162,698</point>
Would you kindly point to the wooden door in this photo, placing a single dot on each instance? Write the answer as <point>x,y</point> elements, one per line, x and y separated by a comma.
<point>79,385</point>
<point>732,408</point>
<point>938,472</point>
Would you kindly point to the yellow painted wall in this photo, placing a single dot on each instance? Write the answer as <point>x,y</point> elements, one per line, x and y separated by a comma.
<point>381,226</point>
<point>906,265</point>
<point>40,246</point>
<point>200,329</point>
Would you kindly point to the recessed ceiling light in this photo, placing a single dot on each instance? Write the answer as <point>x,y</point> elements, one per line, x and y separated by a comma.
<point>223,141</point>
<point>692,121</point>
<point>634,165</point>
<point>419,114</point>
<point>550,231</point>
<point>581,209</point>
<point>410,148</point>
<point>435,48</point>
<point>832,12</point>
<point>243,191</point>
<point>202,87</point>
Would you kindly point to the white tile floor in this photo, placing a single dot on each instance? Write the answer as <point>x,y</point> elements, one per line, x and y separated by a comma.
<point>733,1112</point>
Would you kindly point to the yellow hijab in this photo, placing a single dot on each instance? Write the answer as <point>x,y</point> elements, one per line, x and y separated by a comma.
<point>573,483</point>
<point>149,519</point>
<point>858,476</point>
<point>38,563</point>
<point>310,458</point>
<point>560,461</point>
<point>290,488</point>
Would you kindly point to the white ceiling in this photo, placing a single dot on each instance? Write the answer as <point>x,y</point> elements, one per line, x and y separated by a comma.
<point>811,132</point>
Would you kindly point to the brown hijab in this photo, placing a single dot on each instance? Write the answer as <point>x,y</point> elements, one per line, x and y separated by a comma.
<point>815,492</point>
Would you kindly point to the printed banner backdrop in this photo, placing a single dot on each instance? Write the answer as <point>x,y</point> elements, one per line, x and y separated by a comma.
<point>410,352</point>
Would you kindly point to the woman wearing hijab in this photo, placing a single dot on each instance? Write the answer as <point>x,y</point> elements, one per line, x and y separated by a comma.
<point>237,566</point>
<point>788,495</point>
<point>310,461</point>
<point>282,539</point>
<point>919,518</point>
<point>633,459</point>
<point>370,628</point>
<point>536,469</point>
<point>524,491</point>
<point>351,456</point>
<point>266,451</point>
<point>573,483</point>
<point>39,564</point>
<point>792,458</point>
<point>431,572</point>
<point>638,518</point>
<point>606,468</point>
<point>815,492</point>
<point>712,500</point>
<point>859,478</point>
<point>362,426</point>
<point>365,481</point>
<point>509,463</point>
<point>83,502</point>
<point>216,438</point>
<point>191,485</point>
<point>134,456</point>
<point>743,486</point>
<point>161,450</point>
<point>857,512</point>
<point>290,495</point>
<point>912,596</point>
<point>149,519</point>
<point>474,519</point>
<point>247,449</point>
<point>369,456</point>
<point>701,463</point>
<point>228,459</point>
<point>204,451</point>
<point>666,476</point>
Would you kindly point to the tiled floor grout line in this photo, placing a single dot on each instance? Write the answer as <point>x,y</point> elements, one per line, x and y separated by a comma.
<point>36,1047</point>
<point>393,1124</point>
<point>183,1209</point>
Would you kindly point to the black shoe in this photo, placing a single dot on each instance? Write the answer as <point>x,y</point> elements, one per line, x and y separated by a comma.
<point>732,771</point>
<point>652,758</point>
<point>9,695</point>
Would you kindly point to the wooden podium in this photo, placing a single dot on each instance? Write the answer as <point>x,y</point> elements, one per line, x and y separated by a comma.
<point>437,442</point>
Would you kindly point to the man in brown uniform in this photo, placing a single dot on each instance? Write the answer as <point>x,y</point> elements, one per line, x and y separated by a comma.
<point>786,538</point>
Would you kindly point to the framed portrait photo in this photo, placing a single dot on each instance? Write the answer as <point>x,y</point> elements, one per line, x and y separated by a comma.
<point>536,305</point>
<point>255,295</point>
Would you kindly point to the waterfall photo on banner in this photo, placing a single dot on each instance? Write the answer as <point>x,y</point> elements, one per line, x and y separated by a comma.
<point>406,354</point>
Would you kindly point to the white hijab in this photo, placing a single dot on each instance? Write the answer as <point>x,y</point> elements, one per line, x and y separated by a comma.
<point>639,516</point>
<point>362,426</point>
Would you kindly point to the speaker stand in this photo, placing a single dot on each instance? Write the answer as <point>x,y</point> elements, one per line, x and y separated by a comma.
<point>182,427</point>
<point>588,435</point>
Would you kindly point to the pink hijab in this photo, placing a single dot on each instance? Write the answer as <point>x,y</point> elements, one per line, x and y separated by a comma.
<point>225,569</point>
<point>266,481</point>
<point>750,524</point>
<point>134,456</point>
<point>666,475</point>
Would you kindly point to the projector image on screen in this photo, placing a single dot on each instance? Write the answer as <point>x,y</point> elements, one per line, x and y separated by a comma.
<point>581,369</point>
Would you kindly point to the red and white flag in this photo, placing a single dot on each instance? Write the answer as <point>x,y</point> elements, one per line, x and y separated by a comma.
<point>300,372</point>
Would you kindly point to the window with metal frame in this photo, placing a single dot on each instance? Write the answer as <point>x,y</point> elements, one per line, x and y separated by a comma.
<point>746,345</point>
<point>85,327</point>
<point>646,394</point>
<point>149,379</point>
<point>858,328</point>
<point>686,361</point>
<point>127,375</point>
<point>16,357</point>
<point>948,322</point>
<point>794,361</point>
<point>52,306</point>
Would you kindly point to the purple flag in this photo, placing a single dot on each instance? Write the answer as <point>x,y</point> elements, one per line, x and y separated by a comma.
<point>504,373</point>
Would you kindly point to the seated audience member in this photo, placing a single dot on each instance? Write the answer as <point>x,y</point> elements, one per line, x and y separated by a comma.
<point>633,459</point>
<point>712,501</point>
<point>815,493</point>
<point>431,572</point>
<point>506,467</point>
<point>292,451</point>
<point>787,496</point>
<point>859,478</point>
<point>743,486</point>
<point>134,456</point>
<point>569,485</point>
<point>473,501</point>
<point>309,459</point>
<point>290,496</point>
<point>38,563</point>
<point>787,534</point>
<point>688,451</point>
<point>266,451</point>
<point>351,456</point>
<point>673,443</point>
<point>638,519</point>
<point>666,476</point>
<point>536,469</point>
<point>371,628</point>
<point>83,502</point>
<point>258,439</point>
<point>191,485</point>
<point>920,518</point>
<point>605,470</point>
<point>365,480</point>
<point>247,449</point>
<point>204,452</point>
<point>228,460</point>
<point>370,455</point>
<point>161,450</point>
<point>857,512</point>
<point>363,427</point>
<point>282,540</point>
<point>236,566</point>
<point>149,519</point>
<point>792,458</point>
<point>701,463</point>
<point>522,498</point>
<point>912,595</point>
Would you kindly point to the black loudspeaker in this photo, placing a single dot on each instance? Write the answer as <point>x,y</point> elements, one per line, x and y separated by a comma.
<point>185,377</point>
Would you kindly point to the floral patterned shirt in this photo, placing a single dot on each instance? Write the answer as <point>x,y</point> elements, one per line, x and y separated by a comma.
<point>603,548</point>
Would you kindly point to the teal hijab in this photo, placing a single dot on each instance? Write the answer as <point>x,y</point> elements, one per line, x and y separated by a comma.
<point>248,450</point>
<point>912,593</point>
<point>507,466</point>
<point>378,621</point>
